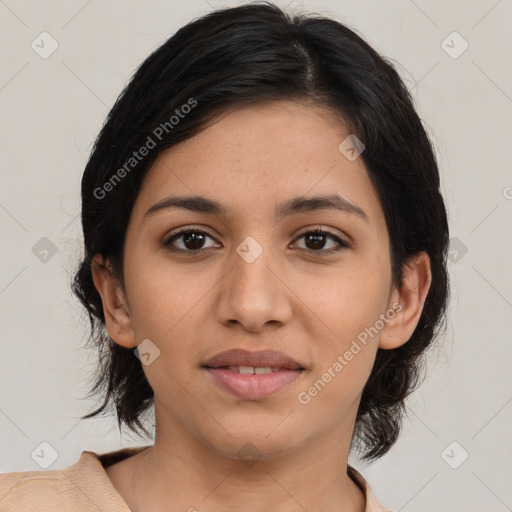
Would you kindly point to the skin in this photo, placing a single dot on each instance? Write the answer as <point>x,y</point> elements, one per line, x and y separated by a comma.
<point>291,298</point>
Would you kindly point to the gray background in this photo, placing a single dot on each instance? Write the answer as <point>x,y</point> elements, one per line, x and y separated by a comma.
<point>51,109</point>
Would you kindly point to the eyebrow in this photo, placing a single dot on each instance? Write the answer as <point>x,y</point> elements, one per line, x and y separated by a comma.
<point>295,205</point>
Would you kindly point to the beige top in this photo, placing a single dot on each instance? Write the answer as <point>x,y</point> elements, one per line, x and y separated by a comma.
<point>85,487</point>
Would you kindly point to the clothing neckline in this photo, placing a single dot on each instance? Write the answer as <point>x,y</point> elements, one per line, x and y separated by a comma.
<point>109,458</point>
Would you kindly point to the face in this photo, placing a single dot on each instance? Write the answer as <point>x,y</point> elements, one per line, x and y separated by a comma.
<point>245,278</point>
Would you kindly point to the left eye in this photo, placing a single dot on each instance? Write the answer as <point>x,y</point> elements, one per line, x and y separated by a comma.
<point>192,240</point>
<point>318,237</point>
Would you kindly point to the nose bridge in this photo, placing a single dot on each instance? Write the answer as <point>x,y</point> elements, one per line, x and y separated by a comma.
<point>256,258</point>
<point>250,271</point>
<point>251,294</point>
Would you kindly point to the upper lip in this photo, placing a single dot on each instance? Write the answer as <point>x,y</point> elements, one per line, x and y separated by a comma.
<point>263,358</point>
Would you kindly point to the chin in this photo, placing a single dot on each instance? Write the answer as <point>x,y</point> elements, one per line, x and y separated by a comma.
<point>249,451</point>
<point>261,441</point>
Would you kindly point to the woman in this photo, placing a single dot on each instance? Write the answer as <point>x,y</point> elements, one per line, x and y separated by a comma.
<point>265,262</point>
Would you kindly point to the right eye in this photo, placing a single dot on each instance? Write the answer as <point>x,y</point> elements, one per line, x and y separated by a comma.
<point>191,240</point>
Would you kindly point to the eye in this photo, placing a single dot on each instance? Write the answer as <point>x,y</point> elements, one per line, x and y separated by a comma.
<point>315,240</point>
<point>192,240</point>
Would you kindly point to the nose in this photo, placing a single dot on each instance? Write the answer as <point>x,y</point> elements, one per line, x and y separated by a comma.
<point>253,294</point>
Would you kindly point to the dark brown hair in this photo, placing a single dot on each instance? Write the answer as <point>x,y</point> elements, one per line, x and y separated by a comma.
<point>253,53</point>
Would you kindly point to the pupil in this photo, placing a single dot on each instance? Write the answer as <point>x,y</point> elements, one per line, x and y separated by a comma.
<point>196,238</point>
<point>318,239</point>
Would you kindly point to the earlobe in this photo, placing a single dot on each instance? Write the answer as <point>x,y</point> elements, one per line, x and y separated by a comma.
<point>411,297</point>
<point>115,308</point>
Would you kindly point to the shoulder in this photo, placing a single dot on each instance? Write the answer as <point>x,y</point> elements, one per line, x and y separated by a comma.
<point>372,503</point>
<point>84,486</point>
<point>33,490</point>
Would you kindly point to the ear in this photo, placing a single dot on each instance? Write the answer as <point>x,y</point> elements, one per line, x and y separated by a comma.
<point>115,308</point>
<point>407,302</point>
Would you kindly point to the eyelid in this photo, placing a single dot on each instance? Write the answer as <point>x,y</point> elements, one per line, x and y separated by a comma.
<point>324,229</point>
<point>185,229</point>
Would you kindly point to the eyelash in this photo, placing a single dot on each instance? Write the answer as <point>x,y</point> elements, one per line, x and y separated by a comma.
<point>316,231</point>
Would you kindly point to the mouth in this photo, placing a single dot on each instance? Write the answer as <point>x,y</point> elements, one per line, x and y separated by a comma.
<point>253,375</point>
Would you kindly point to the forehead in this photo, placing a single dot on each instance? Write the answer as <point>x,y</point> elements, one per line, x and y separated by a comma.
<point>258,155</point>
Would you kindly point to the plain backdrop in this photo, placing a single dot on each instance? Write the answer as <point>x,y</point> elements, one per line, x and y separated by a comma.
<point>454,453</point>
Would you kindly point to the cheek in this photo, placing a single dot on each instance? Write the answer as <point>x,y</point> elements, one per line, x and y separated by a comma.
<point>345,355</point>
<point>166,298</point>
<point>159,302</point>
<point>350,304</point>
<point>352,299</point>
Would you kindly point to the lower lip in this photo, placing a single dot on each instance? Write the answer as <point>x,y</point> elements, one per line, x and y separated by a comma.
<point>253,386</point>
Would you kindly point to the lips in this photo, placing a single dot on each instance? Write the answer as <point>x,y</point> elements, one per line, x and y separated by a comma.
<point>262,358</point>
<point>253,375</point>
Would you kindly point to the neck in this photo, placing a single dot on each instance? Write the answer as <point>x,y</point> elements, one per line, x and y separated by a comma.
<point>178,473</point>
